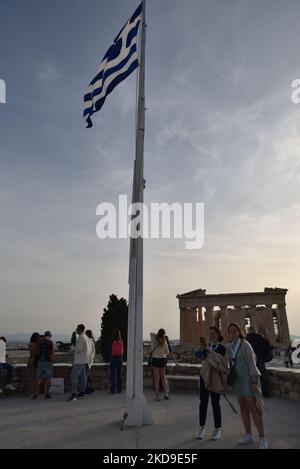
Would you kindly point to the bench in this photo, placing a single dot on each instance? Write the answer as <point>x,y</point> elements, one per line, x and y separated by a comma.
<point>183,383</point>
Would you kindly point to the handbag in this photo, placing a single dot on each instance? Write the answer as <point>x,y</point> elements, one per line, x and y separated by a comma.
<point>231,376</point>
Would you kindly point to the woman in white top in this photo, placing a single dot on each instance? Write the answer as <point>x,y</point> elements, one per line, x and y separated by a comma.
<point>159,352</point>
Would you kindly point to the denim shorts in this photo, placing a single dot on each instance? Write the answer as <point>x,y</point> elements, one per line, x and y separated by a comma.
<point>44,370</point>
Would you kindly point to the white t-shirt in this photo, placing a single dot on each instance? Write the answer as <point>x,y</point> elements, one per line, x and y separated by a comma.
<point>2,351</point>
<point>81,352</point>
<point>161,351</point>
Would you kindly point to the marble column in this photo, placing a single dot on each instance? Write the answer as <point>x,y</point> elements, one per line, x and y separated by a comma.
<point>269,325</point>
<point>252,315</point>
<point>201,323</point>
<point>240,319</point>
<point>224,323</point>
<point>195,337</point>
<point>217,317</point>
<point>209,317</point>
<point>284,332</point>
<point>189,326</point>
<point>182,326</point>
<point>185,326</point>
<point>235,315</point>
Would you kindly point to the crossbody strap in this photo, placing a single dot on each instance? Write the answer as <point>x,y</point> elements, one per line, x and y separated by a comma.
<point>235,354</point>
<point>154,349</point>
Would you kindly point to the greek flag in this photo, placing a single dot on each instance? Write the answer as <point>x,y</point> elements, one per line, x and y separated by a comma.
<point>119,62</point>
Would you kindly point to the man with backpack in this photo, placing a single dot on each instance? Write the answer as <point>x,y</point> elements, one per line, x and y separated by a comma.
<point>264,354</point>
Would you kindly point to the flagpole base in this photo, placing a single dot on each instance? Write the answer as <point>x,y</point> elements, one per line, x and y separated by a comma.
<point>138,413</point>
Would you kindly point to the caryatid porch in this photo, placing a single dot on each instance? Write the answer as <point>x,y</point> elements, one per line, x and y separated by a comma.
<point>264,310</point>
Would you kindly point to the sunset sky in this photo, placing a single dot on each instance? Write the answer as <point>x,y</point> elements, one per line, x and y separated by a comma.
<point>221,130</point>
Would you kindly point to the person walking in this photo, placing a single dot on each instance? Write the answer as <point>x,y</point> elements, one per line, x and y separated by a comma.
<point>159,352</point>
<point>263,351</point>
<point>81,360</point>
<point>30,384</point>
<point>244,378</point>
<point>5,366</point>
<point>44,359</point>
<point>115,353</point>
<point>210,383</point>
<point>91,356</point>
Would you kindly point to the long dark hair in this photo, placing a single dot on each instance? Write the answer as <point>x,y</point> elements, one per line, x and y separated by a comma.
<point>218,332</point>
<point>89,334</point>
<point>34,338</point>
<point>116,334</point>
<point>234,324</point>
<point>160,337</point>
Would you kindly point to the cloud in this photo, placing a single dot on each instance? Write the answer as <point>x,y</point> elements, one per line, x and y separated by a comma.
<point>49,72</point>
<point>220,129</point>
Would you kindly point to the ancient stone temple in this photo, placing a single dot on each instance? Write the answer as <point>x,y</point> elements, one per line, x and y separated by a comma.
<point>265,310</point>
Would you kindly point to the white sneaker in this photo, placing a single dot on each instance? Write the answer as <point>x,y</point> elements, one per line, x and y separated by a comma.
<point>263,443</point>
<point>10,387</point>
<point>201,433</point>
<point>216,434</point>
<point>246,439</point>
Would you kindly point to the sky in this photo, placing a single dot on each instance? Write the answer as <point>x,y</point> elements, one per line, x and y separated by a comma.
<point>221,129</point>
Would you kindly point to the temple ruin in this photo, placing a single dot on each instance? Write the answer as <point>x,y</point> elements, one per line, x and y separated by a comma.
<point>265,310</point>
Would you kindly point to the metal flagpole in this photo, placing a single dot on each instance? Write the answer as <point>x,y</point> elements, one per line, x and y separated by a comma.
<point>138,413</point>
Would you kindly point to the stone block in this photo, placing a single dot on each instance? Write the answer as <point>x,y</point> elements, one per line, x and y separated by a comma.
<point>273,380</point>
<point>275,393</point>
<point>294,396</point>
<point>287,386</point>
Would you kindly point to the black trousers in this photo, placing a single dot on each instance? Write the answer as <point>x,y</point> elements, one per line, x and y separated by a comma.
<point>215,402</point>
<point>263,378</point>
<point>116,378</point>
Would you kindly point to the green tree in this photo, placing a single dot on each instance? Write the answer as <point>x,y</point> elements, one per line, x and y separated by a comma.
<point>115,316</point>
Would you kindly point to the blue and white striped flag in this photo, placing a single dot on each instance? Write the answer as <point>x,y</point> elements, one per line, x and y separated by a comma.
<point>119,62</point>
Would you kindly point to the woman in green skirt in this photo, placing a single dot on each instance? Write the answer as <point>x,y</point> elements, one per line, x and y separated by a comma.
<point>246,385</point>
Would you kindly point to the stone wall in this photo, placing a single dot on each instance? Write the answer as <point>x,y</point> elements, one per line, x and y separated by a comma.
<point>283,382</point>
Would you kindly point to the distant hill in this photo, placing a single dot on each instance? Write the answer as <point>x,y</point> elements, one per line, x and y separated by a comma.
<point>23,337</point>
<point>293,337</point>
